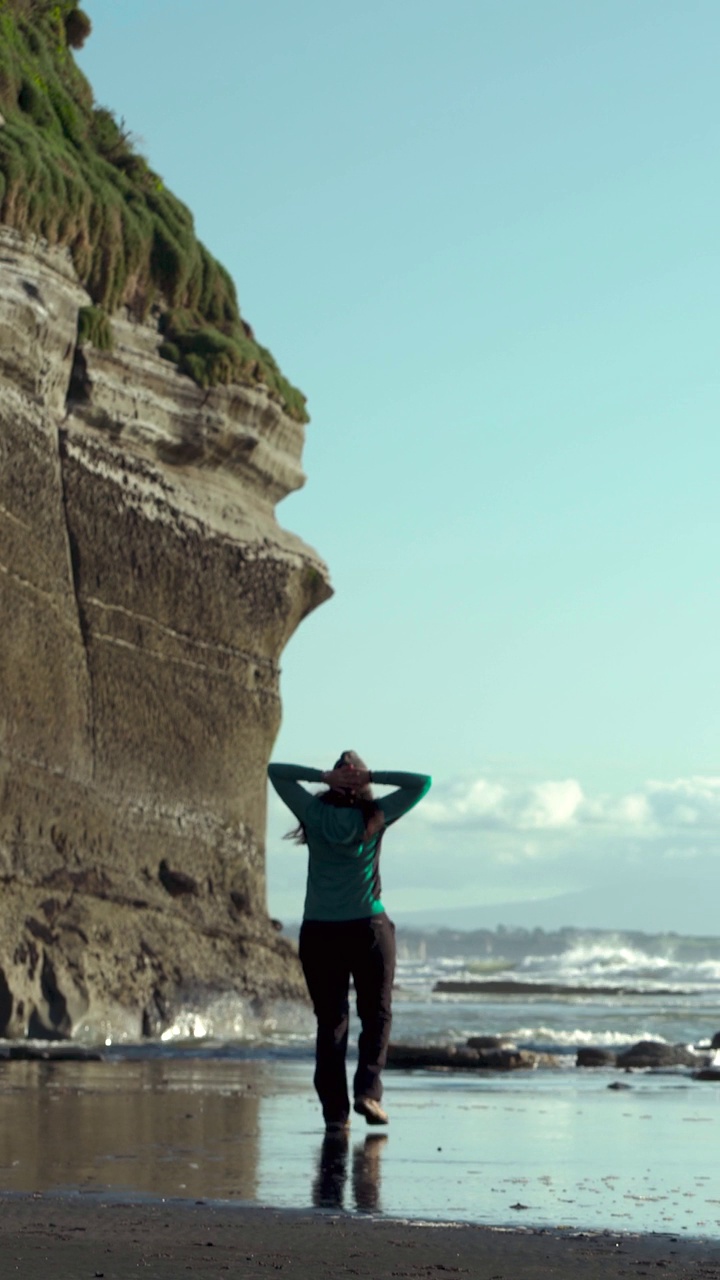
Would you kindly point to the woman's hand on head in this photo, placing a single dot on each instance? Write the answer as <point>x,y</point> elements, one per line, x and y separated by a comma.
<point>347,778</point>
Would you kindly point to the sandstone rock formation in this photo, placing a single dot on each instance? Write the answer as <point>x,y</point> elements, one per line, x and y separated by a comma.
<point>146,593</point>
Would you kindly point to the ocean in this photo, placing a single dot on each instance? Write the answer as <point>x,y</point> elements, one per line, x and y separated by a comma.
<point>608,991</point>
<point>593,989</point>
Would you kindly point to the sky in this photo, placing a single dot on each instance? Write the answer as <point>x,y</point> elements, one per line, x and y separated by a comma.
<point>482,237</point>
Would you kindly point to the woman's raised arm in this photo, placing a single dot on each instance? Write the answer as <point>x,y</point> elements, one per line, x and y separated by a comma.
<point>411,787</point>
<point>286,779</point>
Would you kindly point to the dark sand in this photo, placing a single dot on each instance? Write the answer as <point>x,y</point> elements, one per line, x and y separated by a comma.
<point>72,1238</point>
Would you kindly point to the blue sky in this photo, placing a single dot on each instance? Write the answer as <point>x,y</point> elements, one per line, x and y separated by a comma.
<point>483,238</point>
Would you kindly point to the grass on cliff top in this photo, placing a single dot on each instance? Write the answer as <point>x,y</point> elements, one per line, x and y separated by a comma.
<point>70,174</point>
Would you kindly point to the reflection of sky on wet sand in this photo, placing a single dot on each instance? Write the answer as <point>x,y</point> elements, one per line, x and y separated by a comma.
<point>553,1149</point>
<point>160,1128</point>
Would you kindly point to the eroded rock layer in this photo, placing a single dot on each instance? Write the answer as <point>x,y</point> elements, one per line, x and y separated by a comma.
<point>146,593</point>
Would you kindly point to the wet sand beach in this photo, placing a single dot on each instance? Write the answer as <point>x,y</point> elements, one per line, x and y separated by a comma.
<point>182,1164</point>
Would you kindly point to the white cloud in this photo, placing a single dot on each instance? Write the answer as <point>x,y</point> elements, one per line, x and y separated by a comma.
<point>686,802</point>
<point>487,805</point>
<point>657,807</point>
<point>480,803</point>
<point>552,804</point>
<point>634,810</point>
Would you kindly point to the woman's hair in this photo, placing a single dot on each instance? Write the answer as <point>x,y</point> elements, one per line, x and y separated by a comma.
<point>362,800</point>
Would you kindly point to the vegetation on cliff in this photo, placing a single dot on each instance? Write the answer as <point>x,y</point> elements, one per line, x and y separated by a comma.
<point>69,173</point>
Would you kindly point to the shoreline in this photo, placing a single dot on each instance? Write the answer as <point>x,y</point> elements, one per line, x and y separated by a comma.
<point>79,1235</point>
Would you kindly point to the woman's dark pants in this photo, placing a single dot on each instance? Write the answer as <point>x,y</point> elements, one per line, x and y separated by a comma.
<point>331,952</point>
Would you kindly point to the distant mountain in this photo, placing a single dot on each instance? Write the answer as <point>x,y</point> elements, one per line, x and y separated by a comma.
<point>680,905</point>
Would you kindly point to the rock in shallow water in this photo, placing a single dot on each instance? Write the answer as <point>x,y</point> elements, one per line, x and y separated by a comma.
<point>490,1042</point>
<point>654,1053</point>
<point>452,1057</point>
<point>589,1056</point>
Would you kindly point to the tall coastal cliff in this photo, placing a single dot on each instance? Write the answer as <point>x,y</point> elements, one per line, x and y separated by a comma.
<point>146,594</point>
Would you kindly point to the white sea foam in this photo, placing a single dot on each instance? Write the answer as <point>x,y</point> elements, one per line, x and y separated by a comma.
<point>577,1037</point>
<point>230,1017</point>
<point>608,961</point>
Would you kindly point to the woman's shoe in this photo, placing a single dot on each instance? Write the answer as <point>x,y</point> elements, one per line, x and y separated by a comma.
<point>371,1110</point>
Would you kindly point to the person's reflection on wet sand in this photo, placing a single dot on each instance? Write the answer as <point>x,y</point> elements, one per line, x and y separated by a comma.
<point>366,1173</point>
<point>328,1190</point>
<point>329,1186</point>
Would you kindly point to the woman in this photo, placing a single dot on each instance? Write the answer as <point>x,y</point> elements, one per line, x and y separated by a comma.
<point>345,930</point>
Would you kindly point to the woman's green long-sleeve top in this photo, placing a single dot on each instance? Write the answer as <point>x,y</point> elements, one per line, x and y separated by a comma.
<point>343,881</point>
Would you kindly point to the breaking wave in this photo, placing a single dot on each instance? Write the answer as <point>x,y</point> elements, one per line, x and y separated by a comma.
<point>607,962</point>
<point>578,1038</point>
<point>230,1017</point>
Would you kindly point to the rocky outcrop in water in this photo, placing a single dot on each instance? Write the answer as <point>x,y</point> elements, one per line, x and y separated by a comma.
<point>656,1054</point>
<point>146,594</point>
<point>479,1054</point>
